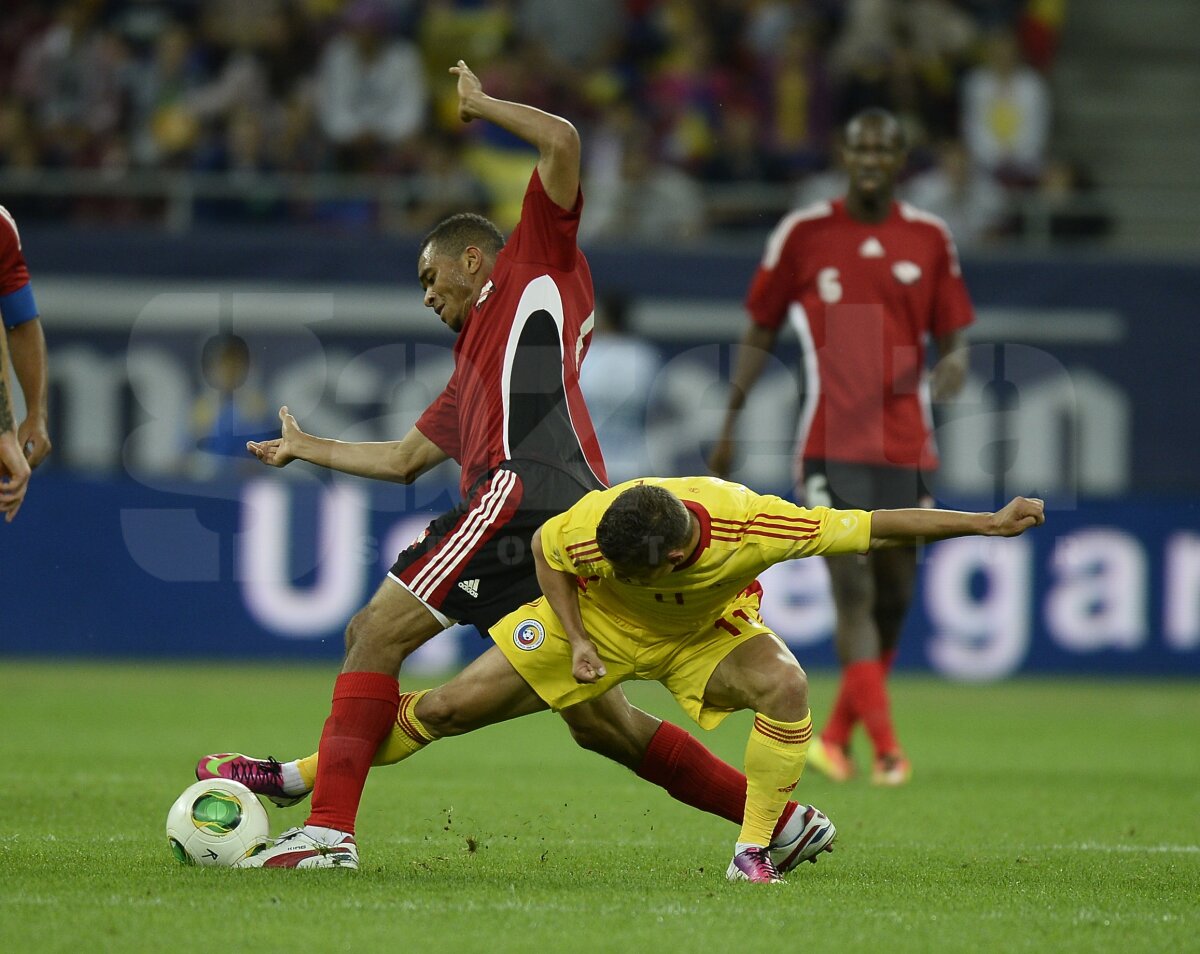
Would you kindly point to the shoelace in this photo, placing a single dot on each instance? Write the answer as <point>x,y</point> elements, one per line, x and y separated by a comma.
<point>253,772</point>
<point>762,859</point>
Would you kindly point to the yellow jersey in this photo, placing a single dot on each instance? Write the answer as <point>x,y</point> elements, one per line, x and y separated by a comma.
<point>741,534</point>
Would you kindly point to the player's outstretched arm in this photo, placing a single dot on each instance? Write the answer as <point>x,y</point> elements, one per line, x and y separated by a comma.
<point>555,139</point>
<point>894,528</point>
<point>757,342</point>
<point>400,461</point>
<point>562,593</point>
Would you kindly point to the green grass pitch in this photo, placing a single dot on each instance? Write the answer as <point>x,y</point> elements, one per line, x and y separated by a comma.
<point>1050,815</point>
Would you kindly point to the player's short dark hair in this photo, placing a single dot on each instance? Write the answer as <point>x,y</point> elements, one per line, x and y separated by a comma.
<point>877,114</point>
<point>452,236</point>
<point>641,525</point>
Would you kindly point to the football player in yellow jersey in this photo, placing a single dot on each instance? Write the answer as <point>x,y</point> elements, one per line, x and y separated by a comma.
<point>654,579</point>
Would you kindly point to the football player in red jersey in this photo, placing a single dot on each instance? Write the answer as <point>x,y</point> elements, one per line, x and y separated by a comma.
<point>865,281</point>
<point>513,416</point>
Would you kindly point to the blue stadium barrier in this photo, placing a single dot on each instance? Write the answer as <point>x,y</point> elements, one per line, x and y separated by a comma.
<point>273,567</point>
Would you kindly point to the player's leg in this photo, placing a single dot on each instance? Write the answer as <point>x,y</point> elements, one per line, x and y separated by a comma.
<point>858,644</point>
<point>856,640</point>
<point>895,574</point>
<point>664,755</point>
<point>365,704</point>
<point>487,691</point>
<point>760,674</point>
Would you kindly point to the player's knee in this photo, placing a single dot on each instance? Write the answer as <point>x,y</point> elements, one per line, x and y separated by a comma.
<point>602,737</point>
<point>851,590</point>
<point>784,696</point>
<point>588,733</point>
<point>356,629</point>
<point>440,715</point>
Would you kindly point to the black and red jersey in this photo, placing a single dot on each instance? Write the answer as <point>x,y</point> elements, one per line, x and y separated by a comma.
<point>514,393</point>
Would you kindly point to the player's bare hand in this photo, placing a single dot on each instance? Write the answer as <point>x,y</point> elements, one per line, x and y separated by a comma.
<point>14,476</point>
<point>1019,515</point>
<point>283,449</point>
<point>586,664</point>
<point>949,375</point>
<point>34,440</point>
<point>720,458</point>
<point>469,88</point>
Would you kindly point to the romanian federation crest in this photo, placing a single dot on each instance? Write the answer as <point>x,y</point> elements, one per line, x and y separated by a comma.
<point>529,635</point>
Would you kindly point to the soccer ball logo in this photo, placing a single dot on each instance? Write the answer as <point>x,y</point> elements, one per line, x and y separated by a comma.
<point>217,822</point>
<point>529,635</point>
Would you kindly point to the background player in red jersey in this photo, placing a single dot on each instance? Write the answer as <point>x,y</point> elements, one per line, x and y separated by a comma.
<point>513,416</point>
<point>865,280</point>
<point>26,341</point>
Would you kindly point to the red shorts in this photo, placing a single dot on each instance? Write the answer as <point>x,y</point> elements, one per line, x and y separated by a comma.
<point>474,563</point>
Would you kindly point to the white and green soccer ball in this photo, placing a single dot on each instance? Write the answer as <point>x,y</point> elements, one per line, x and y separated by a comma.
<point>217,822</point>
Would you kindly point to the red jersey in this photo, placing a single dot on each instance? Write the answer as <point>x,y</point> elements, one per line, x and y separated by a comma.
<point>16,296</point>
<point>864,299</point>
<point>514,393</point>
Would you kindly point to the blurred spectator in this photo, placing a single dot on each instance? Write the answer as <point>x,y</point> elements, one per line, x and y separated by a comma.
<point>165,127</point>
<point>18,147</point>
<point>643,201</point>
<point>228,412</point>
<point>862,58</point>
<point>444,187</point>
<point>1006,112</point>
<point>688,90</point>
<point>371,87</point>
<point>796,86</point>
<point>723,91</point>
<point>1040,27</point>
<point>577,36</point>
<point>970,201</point>
<point>70,77</point>
<point>940,37</point>
<point>450,30</point>
<point>244,153</point>
<point>617,379</point>
<point>1064,207</point>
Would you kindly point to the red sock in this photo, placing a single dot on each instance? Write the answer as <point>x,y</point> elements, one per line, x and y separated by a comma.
<point>690,773</point>
<point>364,708</point>
<point>865,683</point>
<point>841,718</point>
<point>887,659</point>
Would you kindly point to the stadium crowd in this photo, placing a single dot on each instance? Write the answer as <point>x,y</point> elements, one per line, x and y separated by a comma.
<point>672,96</point>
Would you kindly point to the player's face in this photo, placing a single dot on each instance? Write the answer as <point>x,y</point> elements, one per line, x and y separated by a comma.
<point>449,287</point>
<point>873,156</point>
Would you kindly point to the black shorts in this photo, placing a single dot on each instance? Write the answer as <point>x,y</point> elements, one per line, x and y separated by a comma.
<point>474,563</point>
<point>847,486</point>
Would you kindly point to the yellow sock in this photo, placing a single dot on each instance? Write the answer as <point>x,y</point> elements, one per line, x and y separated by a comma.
<point>775,756</point>
<point>407,736</point>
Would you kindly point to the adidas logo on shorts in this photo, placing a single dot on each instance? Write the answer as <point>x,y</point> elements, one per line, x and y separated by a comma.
<point>470,587</point>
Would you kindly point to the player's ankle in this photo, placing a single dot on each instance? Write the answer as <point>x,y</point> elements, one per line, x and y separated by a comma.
<point>292,781</point>
<point>325,836</point>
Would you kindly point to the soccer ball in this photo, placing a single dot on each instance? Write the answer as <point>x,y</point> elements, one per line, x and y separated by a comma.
<point>216,822</point>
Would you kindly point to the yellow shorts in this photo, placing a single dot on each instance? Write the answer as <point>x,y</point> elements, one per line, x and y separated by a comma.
<point>532,639</point>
